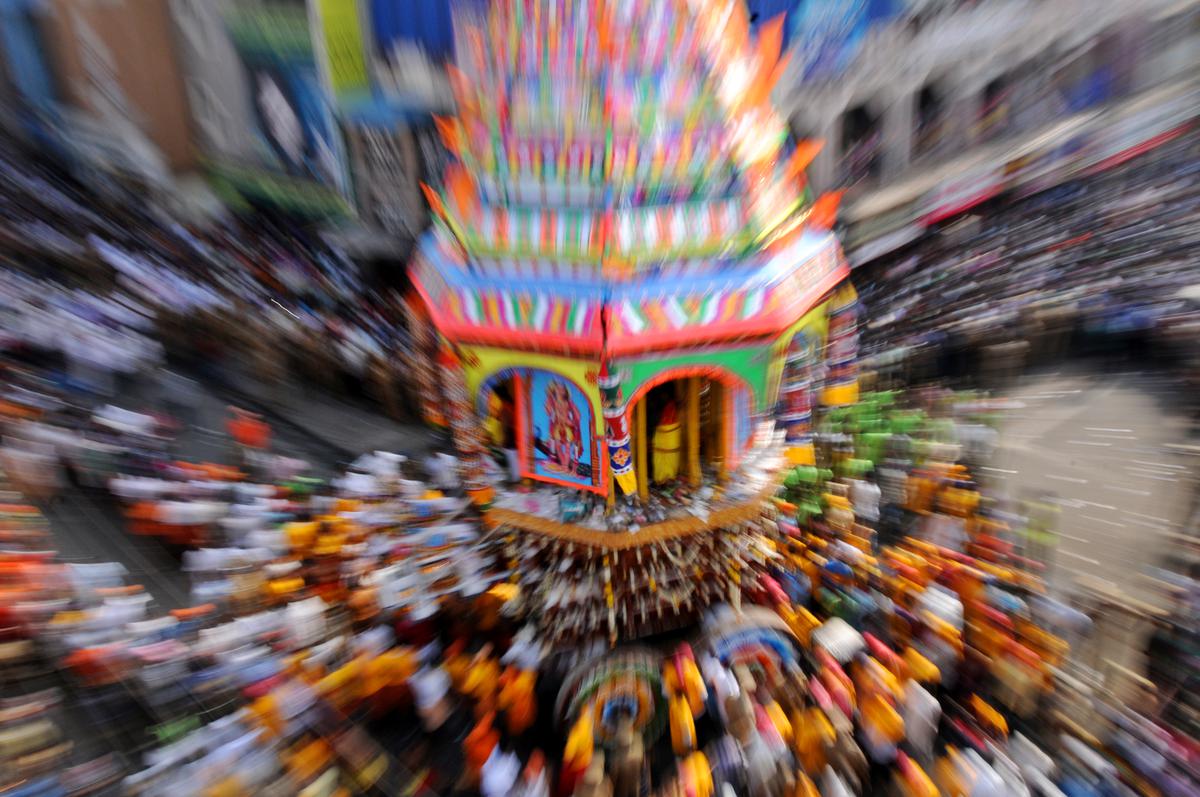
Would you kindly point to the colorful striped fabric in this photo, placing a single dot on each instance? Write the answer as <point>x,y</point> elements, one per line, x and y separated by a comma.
<point>520,309</point>
<point>642,234</point>
<point>513,294</point>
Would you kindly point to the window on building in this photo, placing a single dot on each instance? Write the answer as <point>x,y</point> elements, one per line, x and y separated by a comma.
<point>930,121</point>
<point>995,109</point>
<point>212,117</point>
<point>861,144</point>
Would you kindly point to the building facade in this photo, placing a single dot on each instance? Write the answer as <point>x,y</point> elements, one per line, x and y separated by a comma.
<point>942,77</point>
<point>100,83</point>
<point>947,103</point>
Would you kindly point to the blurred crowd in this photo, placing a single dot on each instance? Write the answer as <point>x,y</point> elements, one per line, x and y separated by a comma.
<point>364,635</point>
<point>1101,265</point>
<point>367,634</point>
<point>105,290</point>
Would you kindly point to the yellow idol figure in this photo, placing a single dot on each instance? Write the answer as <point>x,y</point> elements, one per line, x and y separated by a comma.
<point>668,440</point>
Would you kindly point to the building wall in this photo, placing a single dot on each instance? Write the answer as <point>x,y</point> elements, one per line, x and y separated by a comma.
<point>1032,47</point>
<point>214,78</point>
<point>116,61</point>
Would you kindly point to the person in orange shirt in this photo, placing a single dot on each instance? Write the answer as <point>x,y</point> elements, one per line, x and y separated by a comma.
<point>250,432</point>
<point>922,487</point>
<point>249,429</point>
<point>478,745</point>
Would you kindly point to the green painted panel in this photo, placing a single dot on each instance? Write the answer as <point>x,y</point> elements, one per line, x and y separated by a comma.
<point>814,323</point>
<point>749,364</point>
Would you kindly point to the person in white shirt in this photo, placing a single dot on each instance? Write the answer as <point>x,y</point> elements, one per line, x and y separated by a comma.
<point>979,443</point>
<point>499,773</point>
<point>865,496</point>
<point>921,712</point>
<point>430,687</point>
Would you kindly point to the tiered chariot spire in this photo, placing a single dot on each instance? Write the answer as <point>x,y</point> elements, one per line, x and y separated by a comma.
<point>614,138</point>
<point>623,256</point>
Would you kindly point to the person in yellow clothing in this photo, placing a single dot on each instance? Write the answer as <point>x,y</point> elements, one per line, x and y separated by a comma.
<point>668,442</point>
<point>517,699</point>
<point>499,421</point>
<point>578,754</point>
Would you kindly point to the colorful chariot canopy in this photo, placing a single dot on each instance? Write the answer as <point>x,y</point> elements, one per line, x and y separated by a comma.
<point>528,310</point>
<point>621,158</point>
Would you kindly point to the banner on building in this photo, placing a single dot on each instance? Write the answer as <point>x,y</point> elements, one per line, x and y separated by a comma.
<point>827,34</point>
<point>341,38</point>
<point>299,138</point>
<point>387,177</point>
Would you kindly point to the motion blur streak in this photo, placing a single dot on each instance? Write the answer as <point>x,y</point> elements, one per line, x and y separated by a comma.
<point>599,397</point>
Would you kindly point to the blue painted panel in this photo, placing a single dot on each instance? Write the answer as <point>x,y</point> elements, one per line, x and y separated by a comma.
<point>21,40</point>
<point>426,22</point>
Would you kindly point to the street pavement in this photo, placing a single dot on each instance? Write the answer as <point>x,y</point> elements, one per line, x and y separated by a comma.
<point>87,524</point>
<point>88,528</point>
<point>335,422</point>
<point>1106,448</point>
<point>325,431</point>
<point>1098,444</point>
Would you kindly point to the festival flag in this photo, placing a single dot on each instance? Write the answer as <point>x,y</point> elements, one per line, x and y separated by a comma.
<point>737,27</point>
<point>675,312</point>
<point>524,309</point>
<point>509,305</point>
<point>541,311</point>
<point>460,84</point>
<point>576,312</point>
<point>633,318</point>
<point>824,210</point>
<point>753,302</point>
<point>473,305</point>
<point>802,156</point>
<point>556,316</point>
<point>435,201</point>
<point>450,133</point>
<point>770,42</point>
<point>462,188</point>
